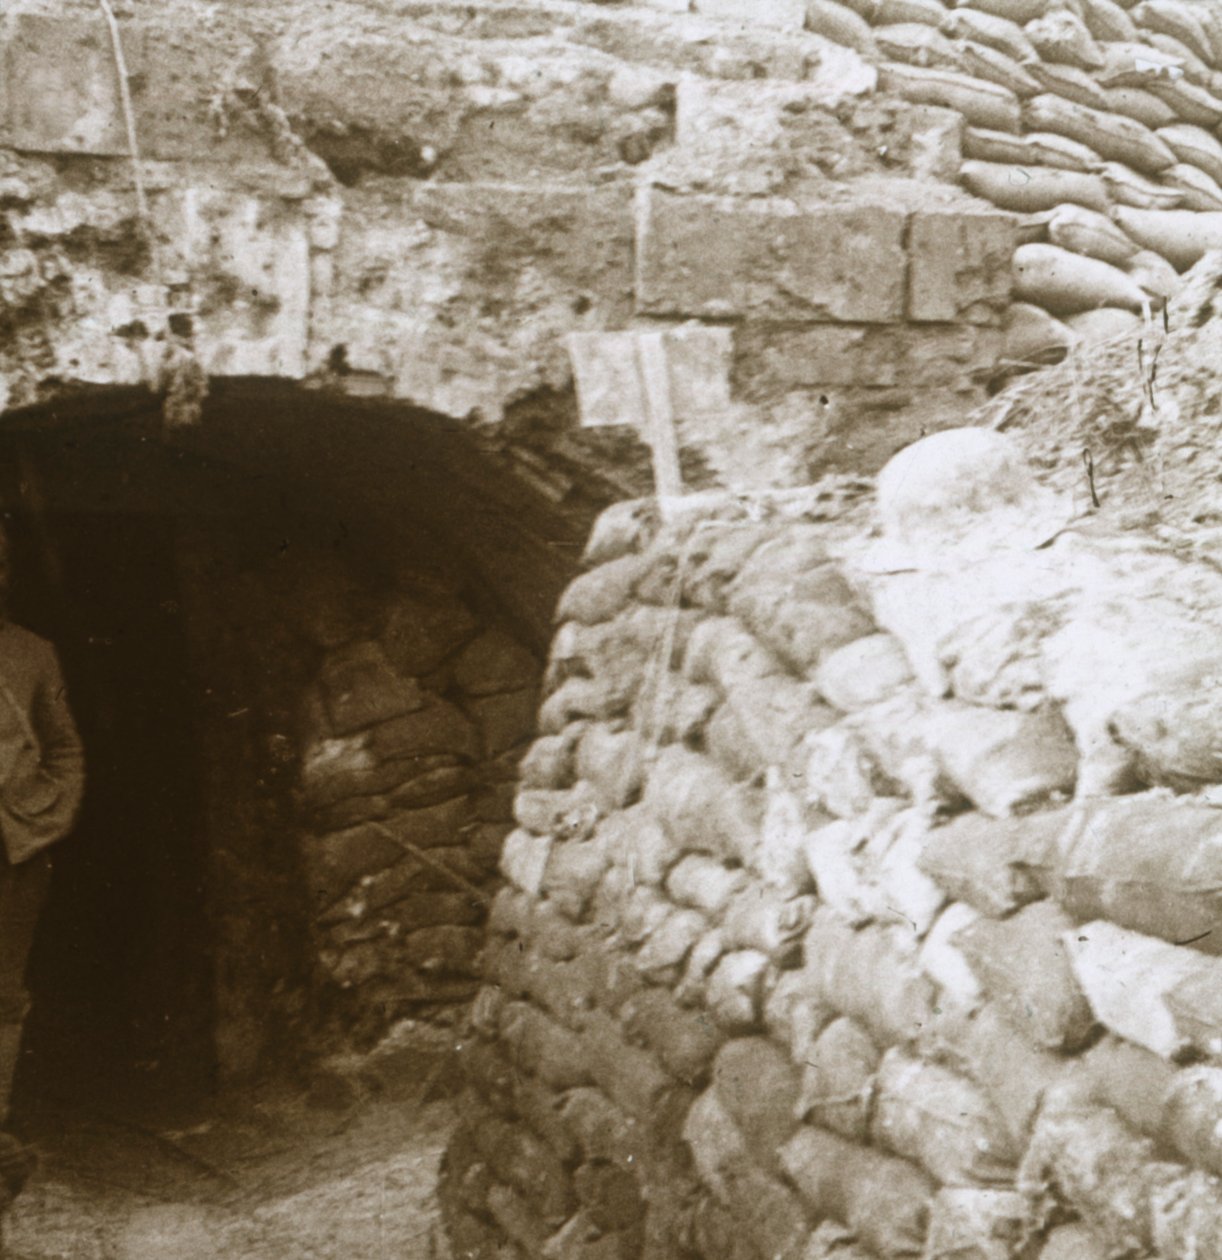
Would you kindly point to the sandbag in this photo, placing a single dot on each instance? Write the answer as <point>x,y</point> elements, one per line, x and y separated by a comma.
<point>598,595</point>
<point>1019,11</point>
<point>1136,65</point>
<point>1191,1121</point>
<point>683,1040</point>
<point>1087,232</point>
<point>770,923</point>
<point>863,672</point>
<point>982,103</point>
<point>884,1200</point>
<point>1127,188</point>
<point>1191,102</point>
<point>1060,36</point>
<point>1033,149</point>
<point>927,12</point>
<point>704,884</point>
<point>1113,137</point>
<point>1065,283</point>
<point>1033,338</point>
<point>1182,237</point>
<point>1143,106</point>
<point>1170,17</point>
<point>842,25</point>
<point>758,1087</point>
<point>1022,965</point>
<point>1093,328</point>
<point>1107,21</point>
<point>734,990</point>
<point>941,1121</point>
<point>1196,146</point>
<point>668,944</point>
<point>988,29</point>
<point>1201,191</point>
<point>1069,82</point>
<point>915,45</point>
<point>1155,275</point>
<point>1130,1080</point>
<point>995,66</point>
<point>1031,188</point>
<point>838,1082</point>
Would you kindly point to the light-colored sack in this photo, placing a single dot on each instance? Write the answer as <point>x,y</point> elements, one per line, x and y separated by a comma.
<point>1196,146</point>
<point>1066,283</point>
<point>927,12</point>
<point>1027,189</point>
<point>1182,237</point>
<point>983,104</point>
<point>1033,338</point>
<point>1210,19</point>
<point>988,29</point>
<point>1093,328</point>
<point>1155,274</point>
<point>1069,83</point>
<point>1121,139</point>
<point>1137,65</point>
<point>1088,232</point>
<point>1107,21</point>
<point>994,66</point>
<point>1142,106</point>
<point>916,45</point>
<point>1201,191</point>
<point>1127,188</point>
<point>1060,36</point>
<point>841,25</point>
<point>1035,149</point>
<point>1170,17</point>
<point>1019,11</point>
<point>1191,102</point>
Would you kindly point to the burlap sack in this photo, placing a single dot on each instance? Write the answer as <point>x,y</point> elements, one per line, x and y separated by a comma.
<point>1069,83</point>
<point>1182,237</point>
<point>758,1086</point>
<point>1134,1082</point>
<point>1179,20</point>
<point>603,592</point>
<point>1066,283</point>
<point>1027,189</point>
<point>1019,11</point>
<point>1201,191</point>
<point>838,1081</point>
<point>1094,328</point>
<point>1191,1119</point>
<point>1191,102</point>
<point>1142,106</point>
<point>1195,146</point>
<point>704,883</point>
<point>1127,188</point>
<point>980,62</point>
<point>685,1041</point>
<point>1108,21</point>
<point>915,44</point>
<point>842,25</point>
<point>987,28</point>
<point>1155,275</point>
<point>1033,338</point>
<point>983,104</point>
<point>1087,232</point>
<point>1060,36</point>
<point>1113,137</point>
<point>767,921</point>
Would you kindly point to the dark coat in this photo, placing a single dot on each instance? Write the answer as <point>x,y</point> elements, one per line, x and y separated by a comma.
<point>42,768</point>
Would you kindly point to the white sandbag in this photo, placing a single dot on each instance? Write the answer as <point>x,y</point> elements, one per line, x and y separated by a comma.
<point>1107,21</point>
<point>1066,283</point>
<point>1182,237</point>
<point>1092,328</point>
<point>1032,227</point>
<point>916,45</point>
<point>1137,65</point>
<point>1210,18</point>
<point>988,29</point>
<point>1088,232</point>
<point>1068,82</point>
<point>1060,36</point>
<point>1015,10</point>
<point>1170,17</point>
<point>927,12</point>
<point>1196,146</point>
<point>1033,338</point>
<point>1191,102</point>
<point>841,25</point>
<point>1037,148</point>
<point>1136,103</point>
<point>1031,188</point>
<point>1195,72</point>
<point>1155,274</point>
<point>1127,188</point>
<point>1201,191</point>
<point>994,66</point>
<point>1121,139</point>
<point>983,104</point>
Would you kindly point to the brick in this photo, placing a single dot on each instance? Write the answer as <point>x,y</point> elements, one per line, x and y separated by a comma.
<point>960,266</point>
<point>720,256</point>
<point>1021,963</point>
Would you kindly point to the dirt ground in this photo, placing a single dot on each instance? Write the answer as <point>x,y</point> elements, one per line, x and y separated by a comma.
<point>346,1168</point>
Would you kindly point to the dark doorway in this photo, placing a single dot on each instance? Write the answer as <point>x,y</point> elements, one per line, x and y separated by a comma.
<point>121,969</point>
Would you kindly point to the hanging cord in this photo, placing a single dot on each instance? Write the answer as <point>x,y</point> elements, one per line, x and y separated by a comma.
<point>125,102</point>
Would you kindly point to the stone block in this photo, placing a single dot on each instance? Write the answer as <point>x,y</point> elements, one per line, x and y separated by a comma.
<point>789,15</point>
<point>960,266</point>
<point>718,257</point>
<point>773,360</point>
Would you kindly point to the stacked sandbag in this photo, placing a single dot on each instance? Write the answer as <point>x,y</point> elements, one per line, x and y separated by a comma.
<point>411,744</point>
<point>808,949</point>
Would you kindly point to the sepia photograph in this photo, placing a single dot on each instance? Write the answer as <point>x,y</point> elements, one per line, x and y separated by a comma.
<point>610,629</point>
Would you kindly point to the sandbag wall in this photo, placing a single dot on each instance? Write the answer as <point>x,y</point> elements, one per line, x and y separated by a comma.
<point>410,735</point>
<point>801,957</point>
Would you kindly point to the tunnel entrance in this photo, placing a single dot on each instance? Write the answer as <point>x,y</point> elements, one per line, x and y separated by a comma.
<point>302,646</point>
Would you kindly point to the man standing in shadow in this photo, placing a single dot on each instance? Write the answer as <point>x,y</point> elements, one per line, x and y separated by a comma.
<point>42,777</point>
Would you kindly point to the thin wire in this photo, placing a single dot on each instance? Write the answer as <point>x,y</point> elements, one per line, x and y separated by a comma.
<point>125,101</point>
